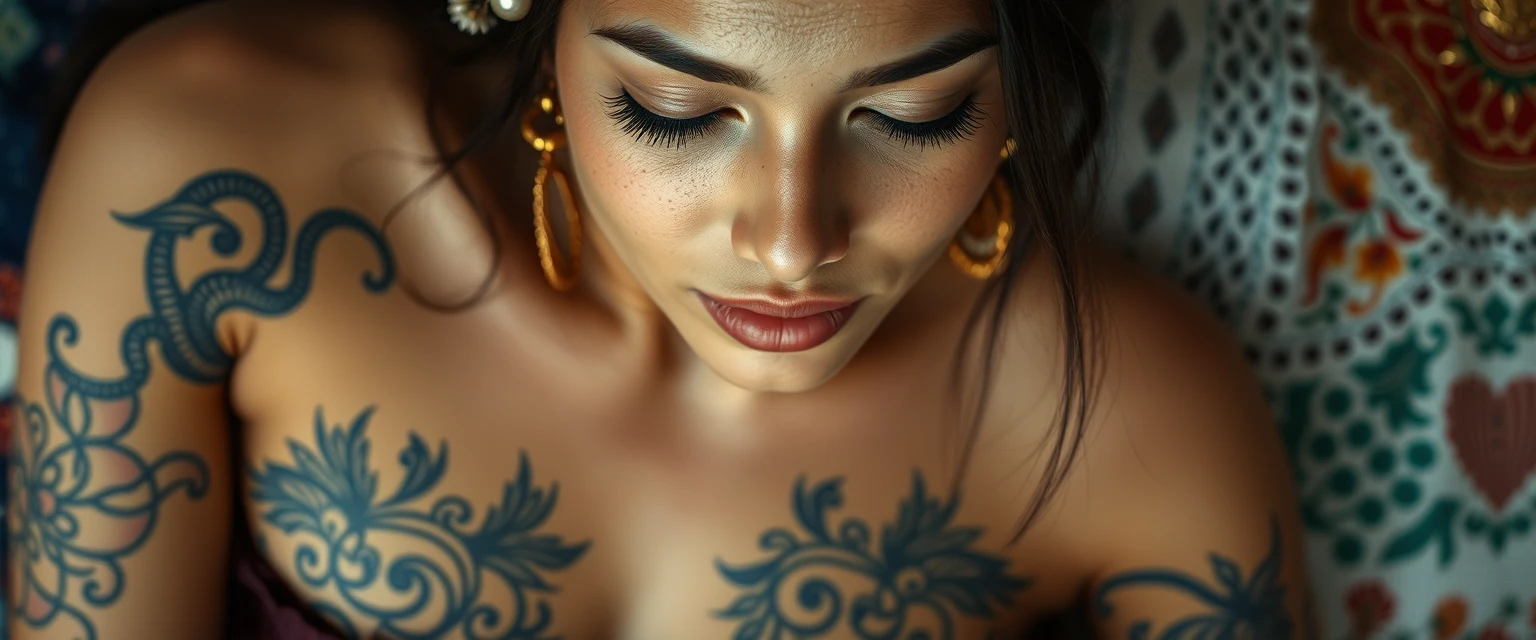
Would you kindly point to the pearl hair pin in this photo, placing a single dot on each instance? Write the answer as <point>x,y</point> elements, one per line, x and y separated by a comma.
<point>475,17</point>
<point>511,10</point>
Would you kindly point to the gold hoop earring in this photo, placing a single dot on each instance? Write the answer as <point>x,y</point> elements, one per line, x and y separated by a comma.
<point>560,277</point>
<point>980,248</point>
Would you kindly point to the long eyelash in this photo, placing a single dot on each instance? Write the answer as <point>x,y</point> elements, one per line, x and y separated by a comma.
<point>955,126</point>
<point>653,129</point>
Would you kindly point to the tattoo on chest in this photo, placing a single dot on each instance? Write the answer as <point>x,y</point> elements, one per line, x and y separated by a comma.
<point>82,497</point>
<point>414,568</point>
<point>924,573</point>
<point>1237,606</point>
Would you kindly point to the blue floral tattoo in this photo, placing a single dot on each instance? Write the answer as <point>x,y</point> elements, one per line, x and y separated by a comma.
<point>434,584</point>
<point>1251,607</point>
<point>923,564</point>
<point>83,499</point>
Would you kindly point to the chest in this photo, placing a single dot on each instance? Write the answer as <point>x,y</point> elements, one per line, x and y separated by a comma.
<point>455,488</point>
<point>417,536</point>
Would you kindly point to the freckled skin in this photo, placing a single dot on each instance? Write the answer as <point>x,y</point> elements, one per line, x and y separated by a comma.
<point>797,192</point>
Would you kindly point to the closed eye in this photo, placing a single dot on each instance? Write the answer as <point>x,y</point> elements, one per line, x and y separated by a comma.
<point>654,129</point>
<point>954,126</point>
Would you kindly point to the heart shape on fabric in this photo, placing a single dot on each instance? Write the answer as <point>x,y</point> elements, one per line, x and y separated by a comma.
<point>1494,436</point>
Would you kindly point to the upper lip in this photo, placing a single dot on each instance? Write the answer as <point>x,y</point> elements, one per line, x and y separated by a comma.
<point>786,308</point>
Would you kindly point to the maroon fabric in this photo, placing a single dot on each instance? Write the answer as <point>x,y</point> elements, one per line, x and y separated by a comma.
<point>261,606</point>
<point>258,612</point>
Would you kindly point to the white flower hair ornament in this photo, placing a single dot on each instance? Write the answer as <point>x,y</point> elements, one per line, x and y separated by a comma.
<point>475,17</point>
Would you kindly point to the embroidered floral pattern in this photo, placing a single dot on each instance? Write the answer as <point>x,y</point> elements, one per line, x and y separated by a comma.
<point>1495,632</point>
<point>1371,605</point>
<point>1450,70</point>
<point>1450,617</point>
<point>1351,188</point>
<point>1351,227</point>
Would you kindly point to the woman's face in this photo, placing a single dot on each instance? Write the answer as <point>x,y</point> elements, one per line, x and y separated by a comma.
<point>777,174</point>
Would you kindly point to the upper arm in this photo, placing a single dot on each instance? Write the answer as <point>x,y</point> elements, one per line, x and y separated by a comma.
<point>1206,540</point>
<point>119,508</point>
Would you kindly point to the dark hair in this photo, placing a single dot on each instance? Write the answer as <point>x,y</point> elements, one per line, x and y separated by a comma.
<point>1055,106</point>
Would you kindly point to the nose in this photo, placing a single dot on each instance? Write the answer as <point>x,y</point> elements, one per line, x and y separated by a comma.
<point>791,223</point>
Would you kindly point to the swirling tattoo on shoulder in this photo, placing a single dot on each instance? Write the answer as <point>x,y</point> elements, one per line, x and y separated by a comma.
<point>82,499</point>
<point>924,573</point>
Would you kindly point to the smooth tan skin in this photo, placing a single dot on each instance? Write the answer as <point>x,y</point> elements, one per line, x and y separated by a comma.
<point>673,445</point>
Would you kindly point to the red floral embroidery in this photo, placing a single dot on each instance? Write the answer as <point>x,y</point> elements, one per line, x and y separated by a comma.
<point>1495,631</point>
<point>1327,253</point>
<point>1370,607</point>
<point>10,292</point>
<point>1378,263</point>
<point>5,428</point>
<point>1450,617</point>
<point>1351,184</point>
<point>1352,225</point>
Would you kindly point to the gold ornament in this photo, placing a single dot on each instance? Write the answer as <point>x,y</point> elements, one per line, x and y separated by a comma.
<point>562,277</point>
<point>980,248</point>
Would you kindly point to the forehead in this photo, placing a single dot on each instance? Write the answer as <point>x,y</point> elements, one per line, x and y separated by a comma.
<point>771,33</point>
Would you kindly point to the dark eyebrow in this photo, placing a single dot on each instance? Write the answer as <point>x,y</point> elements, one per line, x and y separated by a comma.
<point>941,55</point>
<point>658,47</point>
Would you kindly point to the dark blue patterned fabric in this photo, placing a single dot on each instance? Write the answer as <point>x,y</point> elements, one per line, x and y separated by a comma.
<point>33,35</point>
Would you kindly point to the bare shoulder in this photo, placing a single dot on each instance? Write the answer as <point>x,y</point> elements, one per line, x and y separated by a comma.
<point>1177,400</point>
<point>239,82</point>
<point>1177,419</point>
<point>251,44</point>
<point>1190,454</point>
<point>1161,348</point>
<point>287,91</point>
<point>1151,348</point>
<point>227,88</point>
<point>1181,478</point>
<point>1178,508</point>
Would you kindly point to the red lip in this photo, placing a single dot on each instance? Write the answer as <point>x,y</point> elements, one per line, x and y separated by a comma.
<point>780,327</point>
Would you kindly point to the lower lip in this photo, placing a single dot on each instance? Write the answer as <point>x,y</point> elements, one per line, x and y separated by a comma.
<point>775,334</point>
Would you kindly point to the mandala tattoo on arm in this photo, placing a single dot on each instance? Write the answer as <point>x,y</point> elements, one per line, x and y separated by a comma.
<point>83,499</point>
<point>433,580</point>
<point>924,573</point>
<point>1238,607</point>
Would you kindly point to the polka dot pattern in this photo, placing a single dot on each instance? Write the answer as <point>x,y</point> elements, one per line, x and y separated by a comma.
<point>1305,216</point>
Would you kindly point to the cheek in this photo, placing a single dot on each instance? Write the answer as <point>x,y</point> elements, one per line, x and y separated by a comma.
<point>645,203</point>
<point>642,200</point>
<point>912,215</point>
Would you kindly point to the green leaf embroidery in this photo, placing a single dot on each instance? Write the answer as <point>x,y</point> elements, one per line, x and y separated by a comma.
<point>1434,527</point>
<point>1526,324</point>
<point>1498,327</point>
<point>1402,373</point>
<point>1496,312</point>
<point>1466,319</point>
<point>1497,538</point>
